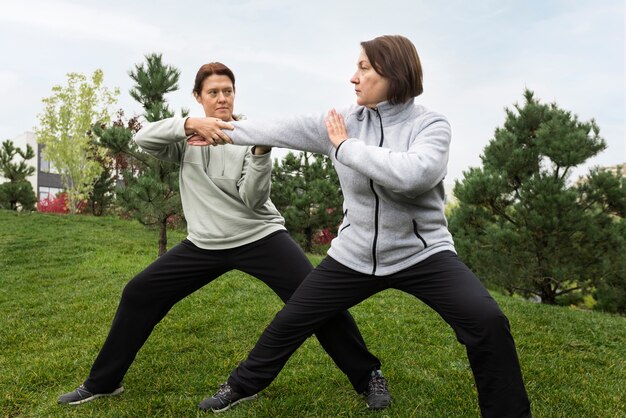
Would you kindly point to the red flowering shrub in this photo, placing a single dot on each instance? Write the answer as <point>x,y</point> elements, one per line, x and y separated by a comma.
<point>56,204</point>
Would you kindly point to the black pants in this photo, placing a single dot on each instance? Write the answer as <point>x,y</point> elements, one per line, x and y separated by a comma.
<point>276,260</point>
<point>443,282</point>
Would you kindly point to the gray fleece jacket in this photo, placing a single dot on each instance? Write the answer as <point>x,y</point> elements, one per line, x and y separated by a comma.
<point>391,171</point>
<point>225,190</point>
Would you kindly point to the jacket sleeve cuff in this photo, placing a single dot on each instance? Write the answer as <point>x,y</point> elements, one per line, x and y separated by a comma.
<point>180,127</point>
<point>267,154</point>
<point>260,160</point>
<point>338,147</point>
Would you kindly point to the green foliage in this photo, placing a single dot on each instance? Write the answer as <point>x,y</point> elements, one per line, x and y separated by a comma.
<point>153,81</point>
<point>152,196</point>
<point>306,190</point>
<point>55,319</point>
<point>15,171</point>
<point>521,225</point>
<point>102,196</point>
<point>17,195</point>
<point>150,190</point>
<point>611,292</point>
<point>65,130</point>
<point>17,192</point>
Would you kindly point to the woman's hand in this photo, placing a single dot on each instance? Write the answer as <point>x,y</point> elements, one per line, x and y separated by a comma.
<point>197,141</point>
<point>336,127</point>
<point>207,131</point>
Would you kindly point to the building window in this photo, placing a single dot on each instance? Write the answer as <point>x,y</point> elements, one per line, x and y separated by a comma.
<point>46,166</point>
<point>48,192</point>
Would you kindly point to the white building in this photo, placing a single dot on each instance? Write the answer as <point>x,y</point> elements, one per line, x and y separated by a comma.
<point>45,180</point>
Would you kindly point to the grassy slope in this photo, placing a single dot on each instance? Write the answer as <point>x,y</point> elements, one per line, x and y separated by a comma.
<point>60,281</point>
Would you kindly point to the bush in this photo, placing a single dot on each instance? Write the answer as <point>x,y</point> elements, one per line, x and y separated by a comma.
<point>17,195</point>
<point>59,204</point>
<point>56,204</point>
<point>611,299</point>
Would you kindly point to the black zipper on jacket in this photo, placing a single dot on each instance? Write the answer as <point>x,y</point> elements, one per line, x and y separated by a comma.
<point>345,216</point>
<point>377,200</point>
<point>417,234</point>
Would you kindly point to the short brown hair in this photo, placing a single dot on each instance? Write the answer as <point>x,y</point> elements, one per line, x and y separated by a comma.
<point>395,58</point>
<point>210,69</point>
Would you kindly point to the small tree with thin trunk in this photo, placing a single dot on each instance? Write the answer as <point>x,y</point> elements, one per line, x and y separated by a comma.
<point>149,190</point>
<point>65,129</point>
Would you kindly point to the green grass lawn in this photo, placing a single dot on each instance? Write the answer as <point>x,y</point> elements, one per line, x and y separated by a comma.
<point>60,282</point>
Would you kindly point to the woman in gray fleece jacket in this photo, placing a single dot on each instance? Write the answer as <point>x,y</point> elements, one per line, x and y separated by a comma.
<point>232,224</point>
<point>391,156</point>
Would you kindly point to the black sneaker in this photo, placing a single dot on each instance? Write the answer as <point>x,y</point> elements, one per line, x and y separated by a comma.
<point>377,395</point>
<point>82,395</point>
<point>223,399</point>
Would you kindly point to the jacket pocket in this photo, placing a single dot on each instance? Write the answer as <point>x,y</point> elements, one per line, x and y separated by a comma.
<point>417,234</point>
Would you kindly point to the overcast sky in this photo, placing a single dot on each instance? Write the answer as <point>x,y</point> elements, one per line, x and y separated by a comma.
<point>297,57</point>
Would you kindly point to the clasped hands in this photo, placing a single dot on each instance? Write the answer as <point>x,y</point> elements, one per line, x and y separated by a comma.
<point>207,131</point>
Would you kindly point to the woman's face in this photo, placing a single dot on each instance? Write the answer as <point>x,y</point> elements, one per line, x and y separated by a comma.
<point>371,88</point>
<point>217,97</point>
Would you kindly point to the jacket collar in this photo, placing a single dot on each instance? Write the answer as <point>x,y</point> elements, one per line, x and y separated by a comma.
<point>391,114</point>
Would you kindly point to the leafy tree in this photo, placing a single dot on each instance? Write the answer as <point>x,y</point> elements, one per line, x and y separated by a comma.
<point>306,190</point>
<point>521,224</point>
<point>150,189</point>
<point>65,129</point>
<point>17,192</point>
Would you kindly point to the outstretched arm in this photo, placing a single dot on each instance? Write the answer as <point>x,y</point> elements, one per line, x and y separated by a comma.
<point>164,139</point>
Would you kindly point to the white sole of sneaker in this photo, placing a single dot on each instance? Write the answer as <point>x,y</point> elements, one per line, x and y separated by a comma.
<point>98,395</point>
<point>227,407</point>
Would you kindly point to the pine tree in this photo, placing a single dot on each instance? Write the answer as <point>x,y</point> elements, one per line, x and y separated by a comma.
<point>306,190</point>
<point>102,196</point>
<point>153,81</point>
<point>521,224</point>
<point>17,192</point>
<point>150,189</point>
